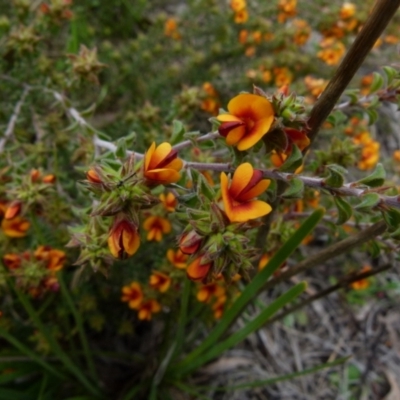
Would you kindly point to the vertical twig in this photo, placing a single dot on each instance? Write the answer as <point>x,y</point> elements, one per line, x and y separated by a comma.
<point>11,124</point>
<point>377,21</point>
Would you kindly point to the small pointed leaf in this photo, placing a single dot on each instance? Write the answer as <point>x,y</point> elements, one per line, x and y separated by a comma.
<point>294,161</point>
<point>295,189</point>
<point>178,130</point>
<point>345,210</point>
<point>335,177</point>
<point>368,201</point>
<point>376,179</point>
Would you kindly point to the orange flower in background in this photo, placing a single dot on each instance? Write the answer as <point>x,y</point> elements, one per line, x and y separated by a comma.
<point>50,178</point>
<point>169,201</point>
<point>198,269</point>
<point>160,281</point>
<point>332,51</point>
<point>16,227</point>
<point>218,307</point>
<point>315,86</point>
<point>250,118</point>
<point>237,197</point>
<point>13,209</point>
<point>282,76</point>
<point>241,16</point>
<point>93,177</point>
<point>12,261</point>
<point>35,175</point>
<point>161,164</point>
<point>206,292</point>
<point>263,261</point>
<point>190,242</point>
<point>147,309</point>
<point>348,10</point>
<point>302,33</point>
<point>238,5</point>
<point>362,283</point>
<point>132,294</point>
<point>123,239</point>
<point>171,29</point>
<point>177,258</point>
<point>54,258</point>
<point>287,9</point>
<point>156,226</point>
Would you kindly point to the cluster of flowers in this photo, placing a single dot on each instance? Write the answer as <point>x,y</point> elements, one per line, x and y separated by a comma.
<point>35,271</point>
<point>369,147</point>
<point>239,7</point>
<point>210,102</point>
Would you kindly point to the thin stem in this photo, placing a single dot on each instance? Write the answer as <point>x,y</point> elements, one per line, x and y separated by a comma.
<point>331,252</point>
<point>188,143</point>
<point>344,282</point>
<point>377,21</point>
<point>13,120</point>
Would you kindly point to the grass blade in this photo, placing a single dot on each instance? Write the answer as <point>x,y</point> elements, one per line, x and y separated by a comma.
<point>250,327</point>
<point>254,287</point>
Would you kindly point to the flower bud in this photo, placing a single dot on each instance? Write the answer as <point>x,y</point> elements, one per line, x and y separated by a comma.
<point>123,239</point>
<point>190,242</point>
<point>13,210</point>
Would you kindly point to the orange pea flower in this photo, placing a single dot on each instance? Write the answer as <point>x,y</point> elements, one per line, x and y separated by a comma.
<point>160,281</point>
<point>218,307</point>
<point>364,283</point>
<point>148,308</point>
<point>132,294</point>
<point>198,269</point>
<point>246,184</point>
<point>177,258</point>
<point>93,177</point>
<point>123,238</point>
<point>250,118</point>
<point>263,261</point>
<point>238,5</point>
<point>12,261</point>
<point>50,178</point>
<point>157,226</point>
<point>161,164</point>
<point>16,227</point>
<point>206,292</point>
<point>169,201</point>
<point>13,209</point>
<point>190,242</point>
<point>54,258</point>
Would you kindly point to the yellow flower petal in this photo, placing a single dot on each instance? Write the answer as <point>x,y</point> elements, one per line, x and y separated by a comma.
<point>241,179</point>
<point>259,188</point>
<point>250,106</point>
<point>246,211</point>
<point>161,152</point>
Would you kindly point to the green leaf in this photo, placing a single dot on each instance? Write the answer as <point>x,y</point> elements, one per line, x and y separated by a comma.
<point>336,118</point>
<point>372,116</point>
<point>390,73</point>
<point>120,151</point>
<point>295,189</point>
<point>294,160</point>
<point>336,175</point>
<point>368,201</point>
<point>252,289</point>
<point>204,188</point>
<point>392,218</point>
<point>353,95</point>
<point>377,82</point>
<point>249,328</point>
<point>376,179</point>
<point>178,131</point>
<point>345,210</point>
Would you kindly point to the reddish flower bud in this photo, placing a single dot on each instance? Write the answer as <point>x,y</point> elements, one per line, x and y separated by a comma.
<point>50,178</point>
<point>198,269</point>
<point>189,242</point>
<point>12,261</point>
<point>93,177</point>
<point>35,175</point>
<point>124,239</point>
<point>13,210</point>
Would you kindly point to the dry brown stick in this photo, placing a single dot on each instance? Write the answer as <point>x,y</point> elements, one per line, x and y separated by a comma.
<point>345,281</point>
<point>331,252</point>
<point>377,21</point>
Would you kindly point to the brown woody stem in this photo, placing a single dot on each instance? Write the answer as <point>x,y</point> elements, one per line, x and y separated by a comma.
<point>344,282</point>
<point>377,21</point>
<point>331,252</point>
